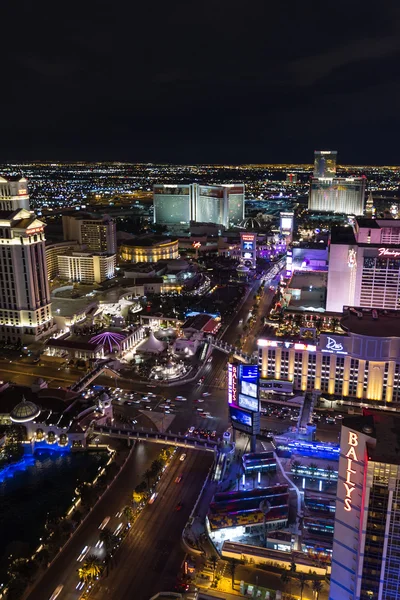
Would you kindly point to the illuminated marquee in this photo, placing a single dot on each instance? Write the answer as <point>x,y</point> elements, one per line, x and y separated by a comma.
<point>22,191</point>
<point>351,456</point>
<point>232,383</point>
<point>388,252</point>
<point>332,344</point>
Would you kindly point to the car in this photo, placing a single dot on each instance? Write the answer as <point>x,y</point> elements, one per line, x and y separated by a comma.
<point>56,592</point>
<point>150,394</point>
<point>178,479</point>
<point>330,420</point>
<point>214,433</point>
<point>180,399</point>
<point>179,506</point>
<point>136,401</point>
<point>191,430</point>
<point>145,397</point>
<point>182,457</point>
<point>199,409</point>
<point>128,403</point>
<point>168,400</point>
<point>339,417</point>
<point>294,418</point>
<point>167,412</point>
<point>200,400</point>
<point>80,585</point>
<point>148,407</point>
<point>206,394</point>
<point>104,523</point>
<point>153,497</point>
<point>83,553</point>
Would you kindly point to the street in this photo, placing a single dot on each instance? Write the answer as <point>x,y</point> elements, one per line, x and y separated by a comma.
<point>150,557</point>
<point>64,569</point>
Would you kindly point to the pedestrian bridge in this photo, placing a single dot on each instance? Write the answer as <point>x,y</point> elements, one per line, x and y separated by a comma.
<point>229,349</point>
<point>171,439</point>
<point>97,370</point>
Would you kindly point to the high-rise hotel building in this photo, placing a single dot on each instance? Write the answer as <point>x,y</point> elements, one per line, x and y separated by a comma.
<point>361,363</point>
<point>178,205</point>
<point>25,308</point>
<point>366,544</point>
<point>331,193</point>
<point>364,265</point>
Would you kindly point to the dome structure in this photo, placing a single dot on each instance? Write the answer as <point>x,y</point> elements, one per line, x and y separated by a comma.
<point>24,411</point>
<point>250,223</point>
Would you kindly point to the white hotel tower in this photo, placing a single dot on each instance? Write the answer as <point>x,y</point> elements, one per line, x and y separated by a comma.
<point>25,308</point>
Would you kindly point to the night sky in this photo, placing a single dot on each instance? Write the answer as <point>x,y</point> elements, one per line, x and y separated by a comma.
<point>200,82</point>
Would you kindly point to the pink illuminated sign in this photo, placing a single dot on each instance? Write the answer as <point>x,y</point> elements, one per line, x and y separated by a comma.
<point>388,252</point>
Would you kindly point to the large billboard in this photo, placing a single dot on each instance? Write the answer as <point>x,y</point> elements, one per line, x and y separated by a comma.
<point>243,397</point>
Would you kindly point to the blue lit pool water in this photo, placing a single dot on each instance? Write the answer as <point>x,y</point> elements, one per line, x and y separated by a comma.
<point>39,484</point>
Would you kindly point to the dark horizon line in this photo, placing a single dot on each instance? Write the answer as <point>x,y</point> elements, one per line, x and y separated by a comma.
<point>194,164</point>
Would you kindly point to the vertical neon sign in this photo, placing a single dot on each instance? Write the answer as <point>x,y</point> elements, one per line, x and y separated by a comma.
<point>351,456</point>
<point>232,383</point>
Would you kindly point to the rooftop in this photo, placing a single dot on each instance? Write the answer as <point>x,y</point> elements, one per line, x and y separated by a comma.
<point>373,322</point>
<point>146,242</point>
<point>385,428</point>
<point>342,235</point>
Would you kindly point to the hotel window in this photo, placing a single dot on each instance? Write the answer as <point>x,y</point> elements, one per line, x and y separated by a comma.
<point>325,372</point>
<point>285,364</point>
<point>271,362</point>
<point>385,381</point>
<point>339,374</point>
<point>298,368</point>
<point>396,383</point>
<point>353,377</point>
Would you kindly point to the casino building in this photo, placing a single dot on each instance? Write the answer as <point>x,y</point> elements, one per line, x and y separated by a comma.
<point>360,363</point>
<point>366,545</point>
<point>364,265</point>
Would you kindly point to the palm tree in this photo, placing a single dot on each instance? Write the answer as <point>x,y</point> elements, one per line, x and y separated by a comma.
<point>296,464</point>
<point>214,562</point>
<point>317,586</point>
<point>330,470</point>
<point>302,577</point>
<point>313,467</point>
<point>91,569</point>
<point>128,513</point>
<point>232,568</point>
<point>109,539</point>
<point>148,475</point>
<point>285,578</point>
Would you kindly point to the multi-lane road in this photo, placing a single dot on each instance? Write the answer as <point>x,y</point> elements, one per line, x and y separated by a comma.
<point>151,554</point>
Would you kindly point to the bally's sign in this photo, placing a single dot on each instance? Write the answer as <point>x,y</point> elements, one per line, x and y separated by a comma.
<point>351,457</point>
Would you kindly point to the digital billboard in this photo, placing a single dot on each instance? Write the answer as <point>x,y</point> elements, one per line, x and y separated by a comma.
<point>242,417</point>
<point>248,376</point>
<point>248,402</point>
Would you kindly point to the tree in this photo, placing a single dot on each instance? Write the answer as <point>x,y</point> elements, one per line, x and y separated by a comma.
<point>285,578</point>
<point>232,562</point>
<point>317,587</point>
<point>313,468</point>
<point>91,569</point>
<point>302,578</point>
<point>128,513</point>
<point>109,539</point>
<point>330,470</point>
<point>214,562</point>
<point>148,476</point>
<point>296,464</point>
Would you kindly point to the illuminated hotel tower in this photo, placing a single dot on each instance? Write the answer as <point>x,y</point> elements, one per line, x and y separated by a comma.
<point>366,544</point>
<point>25,308</point>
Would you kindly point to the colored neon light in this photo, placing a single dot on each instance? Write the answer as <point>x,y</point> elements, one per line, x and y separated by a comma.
<point>388,252</point>
<point>232,383</point>
<point>332,344</point>
<point>112,339</point>
<point>351,456</point>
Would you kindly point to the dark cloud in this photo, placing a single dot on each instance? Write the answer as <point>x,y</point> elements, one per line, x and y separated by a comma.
<point>213,81</point>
